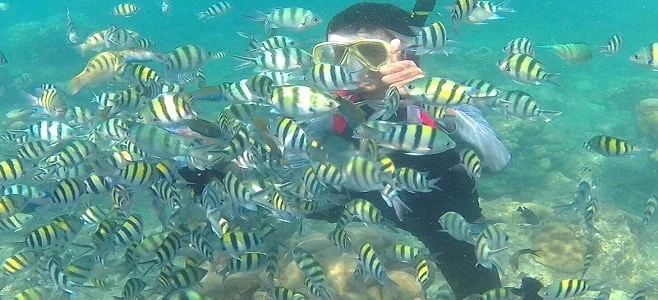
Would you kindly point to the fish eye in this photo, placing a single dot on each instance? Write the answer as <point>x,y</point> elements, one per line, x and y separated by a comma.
<point>448,144</point>
<point>316,19</point>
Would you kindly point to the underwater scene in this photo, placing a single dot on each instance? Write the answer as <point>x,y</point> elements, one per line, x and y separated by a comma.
<point>288,150</point>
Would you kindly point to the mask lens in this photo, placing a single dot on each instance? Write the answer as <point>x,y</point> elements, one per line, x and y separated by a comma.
<point>374,54</point>
<point>329,53</point>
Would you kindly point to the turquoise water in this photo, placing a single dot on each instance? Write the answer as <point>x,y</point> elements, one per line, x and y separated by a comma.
<point>597,97</point>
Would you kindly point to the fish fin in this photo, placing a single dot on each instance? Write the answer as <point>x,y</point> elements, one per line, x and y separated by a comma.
<point>248,61</point>
<point>365,132</point>
<point>547,114</point>
<point>551,77</point>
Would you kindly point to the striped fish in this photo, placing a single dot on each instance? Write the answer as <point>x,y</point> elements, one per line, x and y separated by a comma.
<point>649,209</point>
<point>370,263</point>
<point>523,68</point>
<point>100,68</point>
<point>522,105</point>
<point>461,10</point>
<point>292,18</point>
<point>215,10</point>
<point>521,45</point>
<point>125,10</point>
<point>414,139</point>
<point>647,56</point>
<point>302,103</point>
<point>567,288</point>
<point>280,59</point>
<point>614,44</point>
<point>610,146</point>
<point>73,36</point>
<point>430,39</point>
<point>189,58</point>
<point>168,109</point>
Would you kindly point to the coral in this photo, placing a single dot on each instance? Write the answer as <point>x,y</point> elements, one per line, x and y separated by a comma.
<point>560,248</point>
<point>646,118</point>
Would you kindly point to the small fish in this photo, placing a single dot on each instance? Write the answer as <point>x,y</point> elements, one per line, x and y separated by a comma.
<point>189,58</point>
<point>470,161</point>
<point>390,105</point>
<point>438,91</point>
<point>588,258</point>
<point>165,7</point>
<point>614,44</point>
<point>430,39</point>
<point>272,42</point>
<point>280,59</point>
<point>647,56</point>
<point>292,18</point>
<point>100,68</point>
<point>567,288</point>
<point>521,45</point>
<point>313,272</point>
<point>414,181</point>
<point>610,146</point>
<point>461,9</point>
<point>485,255</point>
<point>168,109</point>
<point>73,36</point>
<point>125,10</point>
<point>302,103</point>
<point>525,69</point>
<point>413,139</point>
<point>3,59</point>
<point>590,212</point>
<point>457,227</point>
<point>573,52</point>
<point>215,10</point>
<point>528,215</point>
<point>370,264</point>
<point>333,78</point>
<point>514,258</point>
<point>496,238</point>
<point>522,105</point>
<point>649,210</point>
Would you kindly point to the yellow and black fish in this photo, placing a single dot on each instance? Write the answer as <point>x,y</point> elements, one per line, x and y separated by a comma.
<point>610,146</point>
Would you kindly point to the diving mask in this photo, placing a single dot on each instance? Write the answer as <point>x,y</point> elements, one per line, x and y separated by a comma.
<point>369,53</point>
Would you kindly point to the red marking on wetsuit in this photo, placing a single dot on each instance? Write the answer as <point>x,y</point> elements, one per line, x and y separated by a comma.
<point>427,120</point>
<point>338,122</point>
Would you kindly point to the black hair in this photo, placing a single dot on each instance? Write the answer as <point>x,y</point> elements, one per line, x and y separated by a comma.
<point>368,15</point>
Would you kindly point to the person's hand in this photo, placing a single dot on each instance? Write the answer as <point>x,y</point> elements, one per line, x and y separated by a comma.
<point>399,72</point>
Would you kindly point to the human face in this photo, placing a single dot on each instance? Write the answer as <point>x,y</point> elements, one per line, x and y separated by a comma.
<point>372,82</point>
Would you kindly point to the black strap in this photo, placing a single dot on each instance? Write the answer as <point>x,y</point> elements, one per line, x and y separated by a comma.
<point>421,12</point>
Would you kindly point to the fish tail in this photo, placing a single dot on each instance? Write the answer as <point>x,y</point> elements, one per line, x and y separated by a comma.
<point>552,77</point>
<point>245,35</point>
<point>258,17</point>
<point>248,61</point>
<point>218,55</point>
<point>81,49</point>
<point>365,132</point>
<point>77,83</point>
<point>546,115</point>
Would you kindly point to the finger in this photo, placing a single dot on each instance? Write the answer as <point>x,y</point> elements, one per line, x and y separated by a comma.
<point>397,67</point>
<point>402,75</point>
<point>395,54</point>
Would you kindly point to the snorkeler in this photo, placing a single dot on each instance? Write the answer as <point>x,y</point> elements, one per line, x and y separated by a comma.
<point>372,35</point>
